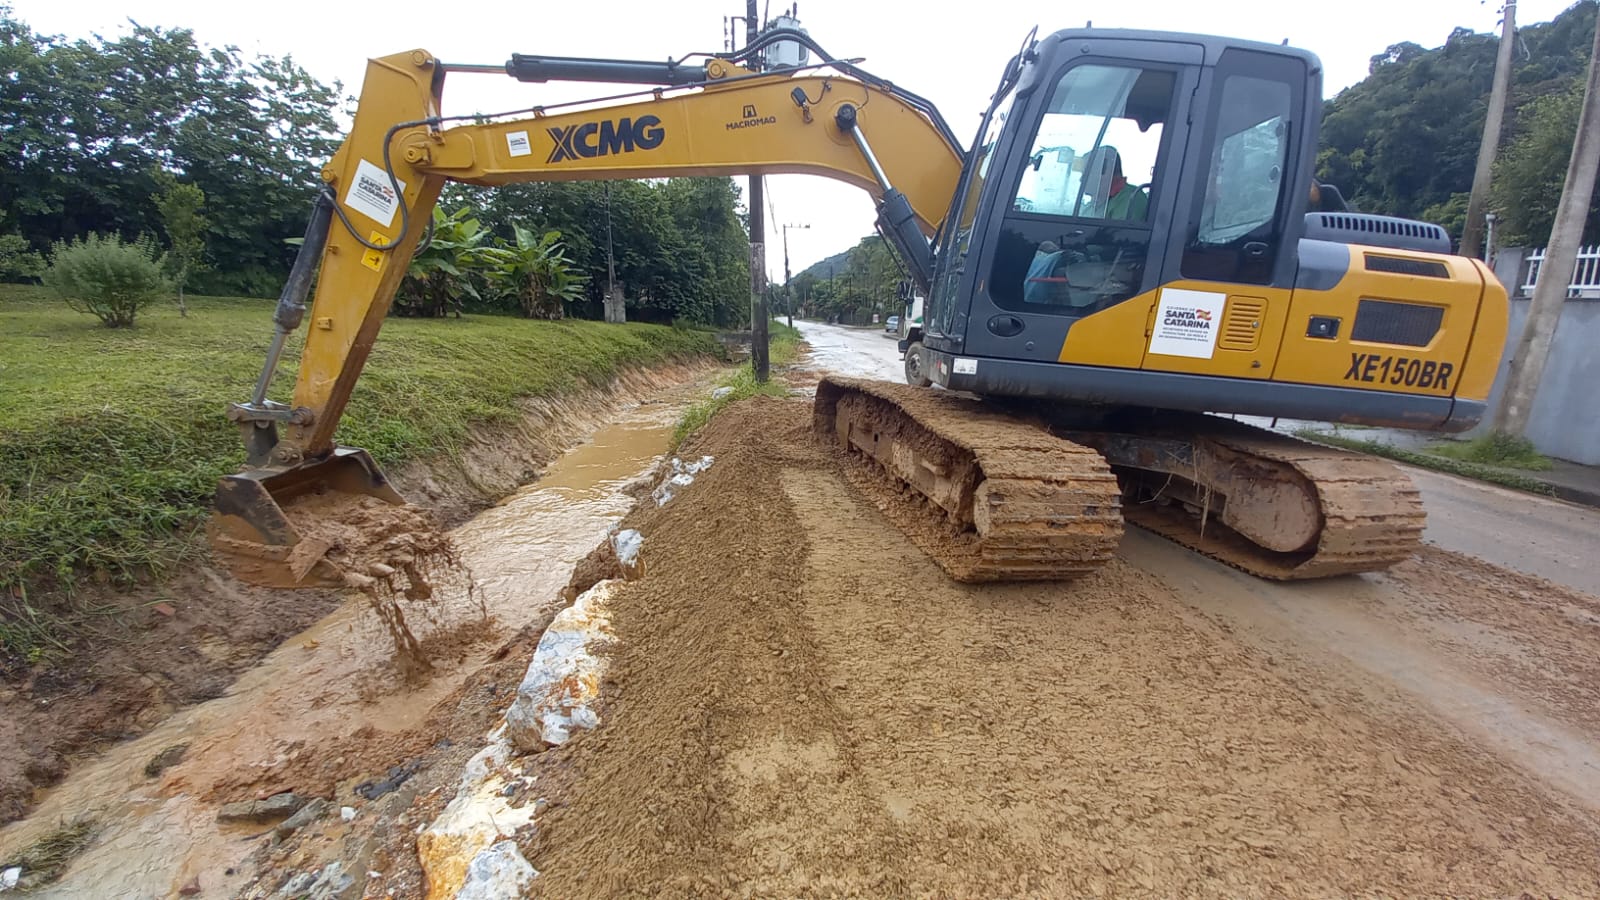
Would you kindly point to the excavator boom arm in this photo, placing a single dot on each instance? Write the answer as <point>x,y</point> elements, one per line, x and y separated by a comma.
<point>386,177</point>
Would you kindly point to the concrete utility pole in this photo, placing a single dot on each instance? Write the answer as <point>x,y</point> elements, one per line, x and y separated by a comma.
<point>1555,273</point>
<point>759,359</point>
<point>615,311</point>
<point>788,291</point>
<point>1472,233</point>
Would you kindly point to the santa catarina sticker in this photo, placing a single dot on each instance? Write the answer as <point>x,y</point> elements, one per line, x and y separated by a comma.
<point>372,194</point>
<point>1187,323</point>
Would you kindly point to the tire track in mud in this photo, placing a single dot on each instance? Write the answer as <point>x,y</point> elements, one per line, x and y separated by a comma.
<point>801,702</point>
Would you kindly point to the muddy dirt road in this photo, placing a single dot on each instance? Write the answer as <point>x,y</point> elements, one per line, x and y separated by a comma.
<point>819,710</point>
<point>815,709</point>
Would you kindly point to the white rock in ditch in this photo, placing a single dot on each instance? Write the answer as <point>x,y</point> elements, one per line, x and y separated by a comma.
<point>498,872</point>
<point>721,392</point>
<point>682,476</point>
<point>478,817</point>
<point>10,877</point>
<point>627,543</point>
<point>564,677</point>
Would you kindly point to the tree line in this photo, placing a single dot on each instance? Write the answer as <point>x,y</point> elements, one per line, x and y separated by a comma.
<point>212,155</point>
<point>847,287</point>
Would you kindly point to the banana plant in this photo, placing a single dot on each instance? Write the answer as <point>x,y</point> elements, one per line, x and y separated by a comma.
<point>535,271</point>
<point>443,272</point>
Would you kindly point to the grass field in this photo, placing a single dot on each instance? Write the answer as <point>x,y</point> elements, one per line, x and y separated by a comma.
<point>111,441</point>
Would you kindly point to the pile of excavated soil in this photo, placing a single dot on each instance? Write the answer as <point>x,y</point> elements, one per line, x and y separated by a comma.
<point>802,703</point>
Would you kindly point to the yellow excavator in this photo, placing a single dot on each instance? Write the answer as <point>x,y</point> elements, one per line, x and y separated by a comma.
<point>1133,247</point>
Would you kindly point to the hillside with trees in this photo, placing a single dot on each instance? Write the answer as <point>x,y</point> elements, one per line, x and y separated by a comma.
<point>1404,140</point>
<point>850,286</point>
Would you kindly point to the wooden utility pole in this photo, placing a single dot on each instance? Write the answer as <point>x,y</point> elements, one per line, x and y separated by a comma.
<point>758,242</point>
<point>1555,273</point>
<point>1472,233</point>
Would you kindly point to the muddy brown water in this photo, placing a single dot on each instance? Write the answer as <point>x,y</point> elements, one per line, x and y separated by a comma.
<point>340,676</point>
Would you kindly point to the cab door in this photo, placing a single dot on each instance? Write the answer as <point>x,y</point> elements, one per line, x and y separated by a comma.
<point>1230,269</point>
<point>1078,201</point>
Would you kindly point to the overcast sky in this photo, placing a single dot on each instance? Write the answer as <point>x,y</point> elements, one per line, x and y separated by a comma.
<point>946,53</point>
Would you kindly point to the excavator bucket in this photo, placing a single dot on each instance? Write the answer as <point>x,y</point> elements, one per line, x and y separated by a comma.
<point>252,529</point>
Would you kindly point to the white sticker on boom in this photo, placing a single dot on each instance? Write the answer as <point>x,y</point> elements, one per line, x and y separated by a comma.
<point>1187,323</point>
<point>372,195</point>
<point>966,366</point>
<point>519,145</point>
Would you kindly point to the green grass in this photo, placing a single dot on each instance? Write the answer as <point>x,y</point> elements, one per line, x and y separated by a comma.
<point>111,442</point>
<point>1495,449</point>
<point>1450,465</point>
<point>782,350</point>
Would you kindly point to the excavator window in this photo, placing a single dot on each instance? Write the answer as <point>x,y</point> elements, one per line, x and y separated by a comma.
<point>1077,235</point>
<point>1236,228</point>
<point>957,241</point>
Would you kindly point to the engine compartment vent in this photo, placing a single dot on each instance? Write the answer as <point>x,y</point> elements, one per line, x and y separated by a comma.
<point>1393,322</point>
<point>1377,231</point>
<point>1399,265</point>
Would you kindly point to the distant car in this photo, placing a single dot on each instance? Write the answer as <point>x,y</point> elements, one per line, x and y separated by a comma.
<point>893,324</point>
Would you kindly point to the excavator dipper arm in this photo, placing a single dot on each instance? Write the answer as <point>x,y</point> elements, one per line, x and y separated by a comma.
<point>717,118</point>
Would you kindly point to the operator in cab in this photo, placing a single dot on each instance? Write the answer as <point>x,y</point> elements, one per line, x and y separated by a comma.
<point>1103,167</point>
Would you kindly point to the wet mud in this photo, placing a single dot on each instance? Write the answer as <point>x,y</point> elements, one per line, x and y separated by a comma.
<point>342,703</point>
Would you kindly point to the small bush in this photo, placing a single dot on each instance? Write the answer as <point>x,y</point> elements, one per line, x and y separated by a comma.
<point>107,278</point>
<point>18,262</point>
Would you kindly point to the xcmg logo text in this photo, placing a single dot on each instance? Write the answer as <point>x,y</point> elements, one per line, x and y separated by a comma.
<point>592,139</point>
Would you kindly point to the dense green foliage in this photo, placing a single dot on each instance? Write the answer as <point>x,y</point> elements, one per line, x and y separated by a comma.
<point>180,206</point>
<point>18,261</point>
<point>87,127</point>
<point>111,442</point>
<point>104,277</point>
<point>444,272</point>
<point>1404,141</point>
<point>680,246</point>
<point>533,270</point>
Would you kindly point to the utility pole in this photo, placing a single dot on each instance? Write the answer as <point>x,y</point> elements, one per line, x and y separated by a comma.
<point>759,359</point>
<point>1472,232</point>
<point>615,312</point>
<point>1555,273</point>
<point>788,292</point>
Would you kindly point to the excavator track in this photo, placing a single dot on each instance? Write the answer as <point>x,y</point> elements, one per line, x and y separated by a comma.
<point>1368,514</point>
<point>989,497</point>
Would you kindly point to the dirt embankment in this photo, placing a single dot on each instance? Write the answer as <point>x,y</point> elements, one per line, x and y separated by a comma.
<point>800,703</point>
<point>154,648</point>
